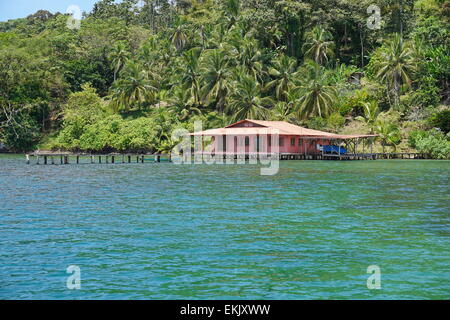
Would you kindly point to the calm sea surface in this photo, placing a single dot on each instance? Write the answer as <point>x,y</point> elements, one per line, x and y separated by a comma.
<point>166,231</point>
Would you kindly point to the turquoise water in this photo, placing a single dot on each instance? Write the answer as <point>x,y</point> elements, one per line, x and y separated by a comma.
<point>165,231</point>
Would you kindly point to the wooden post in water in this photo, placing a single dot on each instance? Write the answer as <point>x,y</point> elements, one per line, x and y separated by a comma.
<point>37,162</point>
<point>92,159</point>
<point>142,159</point>
<point>112,159</point>
<point>129,159</point>
<point>305,142</point>
<point>78,159</point>
<point>45,160</point>
<point>28,158</point>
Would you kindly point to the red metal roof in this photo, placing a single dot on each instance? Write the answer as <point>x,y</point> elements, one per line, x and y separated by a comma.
<point>280,127</point>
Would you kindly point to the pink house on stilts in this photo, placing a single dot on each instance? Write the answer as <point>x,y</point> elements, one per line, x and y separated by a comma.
<point>257,138</point>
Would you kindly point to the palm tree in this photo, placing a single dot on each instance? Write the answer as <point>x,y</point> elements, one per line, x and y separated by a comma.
<point>217,38</point>
<point>179,36</point>
<point>282,111</point>
<point>164,123</point>
<point>396,66</point>
<point>247,54</point>
<point>191,76</point>
<point>119,56</point>
<point>133,89</point>
<point>283,70</point>
<point>165,146</point>
<point>388,134</point>
<point>371,112</point>
<point>247,102</point>
<point>150,52</point>
<point>316,96</point>
<point>216,77</point>
<point>232,9</point>
<point>181,104</point>
<point>319,46</point>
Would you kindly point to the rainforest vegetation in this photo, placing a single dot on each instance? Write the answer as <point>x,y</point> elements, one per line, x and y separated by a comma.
<point>136,70</point>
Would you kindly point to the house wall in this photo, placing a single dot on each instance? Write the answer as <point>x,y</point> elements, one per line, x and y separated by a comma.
<point>246,144</point>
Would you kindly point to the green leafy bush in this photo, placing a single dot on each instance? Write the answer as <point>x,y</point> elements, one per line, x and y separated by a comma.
<point>354,104</point>
<point>316,123</point>
<point>441,120</point>
<point>21,135</point>
<point>335,121</point>
<point>433,143</point>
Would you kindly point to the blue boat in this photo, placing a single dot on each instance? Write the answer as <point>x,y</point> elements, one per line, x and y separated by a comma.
<point>330,149</point>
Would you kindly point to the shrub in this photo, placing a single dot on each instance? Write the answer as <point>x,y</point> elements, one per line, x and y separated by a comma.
<point>22,135</point>
<point>317,123</point>
<point>441,120</point>
<point>433,143</point>
<point>335,121</point>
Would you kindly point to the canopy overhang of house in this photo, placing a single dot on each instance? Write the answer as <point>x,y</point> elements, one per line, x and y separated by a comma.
<point>281,127</point>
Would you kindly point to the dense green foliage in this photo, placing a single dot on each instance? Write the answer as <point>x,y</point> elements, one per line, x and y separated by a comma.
<point>132,74</point>
<point>433,143</point>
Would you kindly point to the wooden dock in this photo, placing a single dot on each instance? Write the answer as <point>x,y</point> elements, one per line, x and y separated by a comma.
<point>48,158</point>
<point>316,156</point>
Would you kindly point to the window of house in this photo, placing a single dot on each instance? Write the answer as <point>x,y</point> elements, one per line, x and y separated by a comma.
<point>247,141</point>
<point>281,142</point>
<point>299,142</point>
<point>292,142</point>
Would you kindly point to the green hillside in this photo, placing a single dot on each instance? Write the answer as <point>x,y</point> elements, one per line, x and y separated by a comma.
<point>136,70</point>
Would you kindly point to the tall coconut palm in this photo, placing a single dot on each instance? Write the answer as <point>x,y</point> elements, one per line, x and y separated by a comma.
<point>283,71</point>
<point>181,105</point>
<point>396,66</point>
<point>319,46</point>
<point>150,52</point>
<point>216,76</point>
<point>232,9</point>
<point>119,57</point>
<point>164,123</point>
<point>133,90</point>
<point>282,111</point>
<point>247,101</point>
<point>217,37</point>
<point>191,74</point>
<point>388,134</point>
<point>371,112</point>
<point>247,54</point>
<point>316,96</point>
<point>179,36</point>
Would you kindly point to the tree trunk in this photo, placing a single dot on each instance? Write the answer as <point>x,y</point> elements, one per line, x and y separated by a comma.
<point>362,45</point>
<point>396,91</point>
